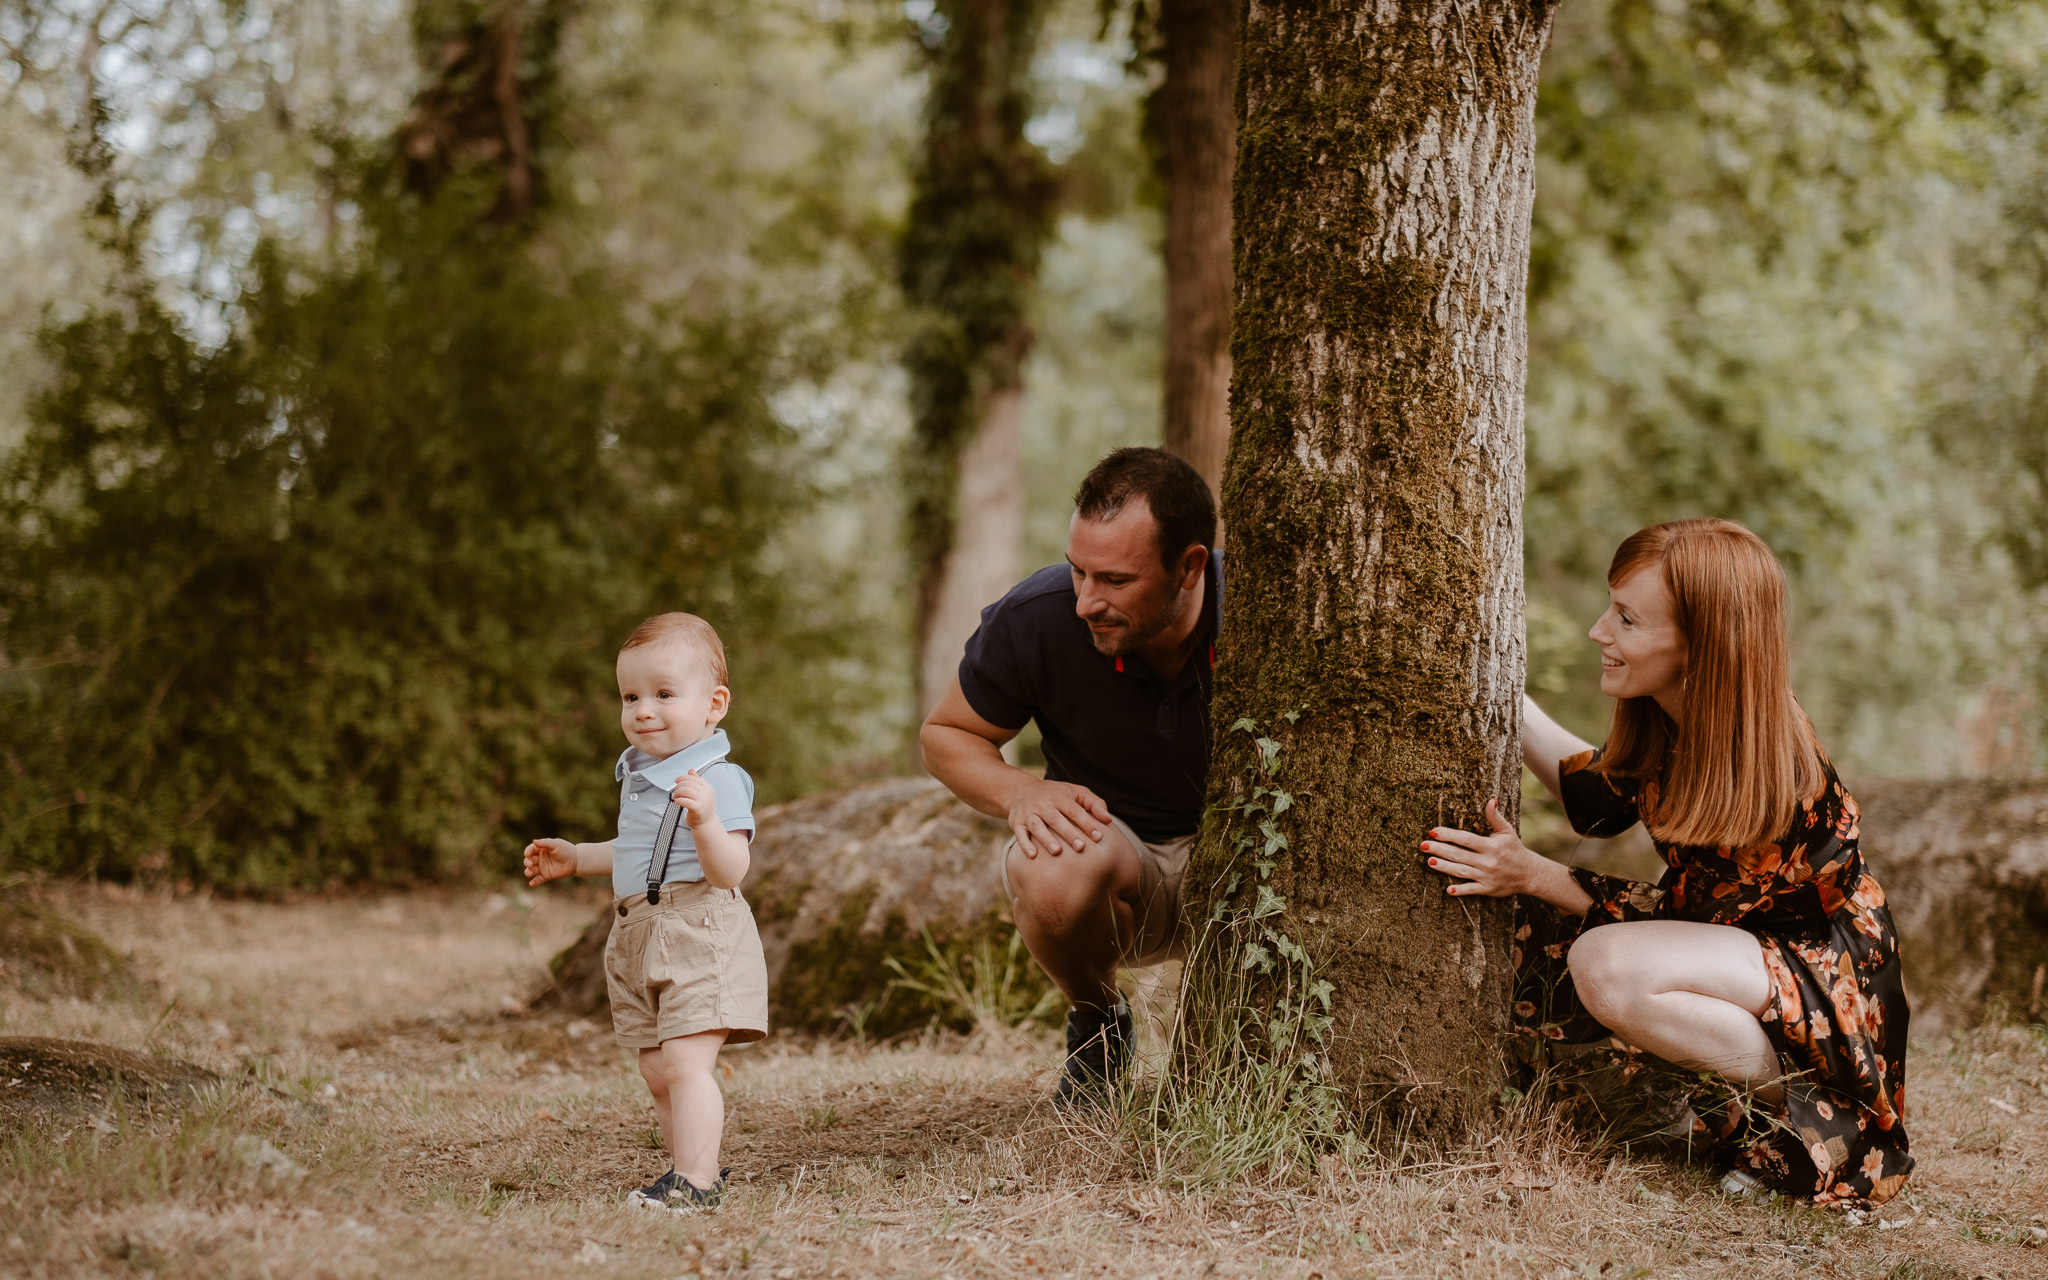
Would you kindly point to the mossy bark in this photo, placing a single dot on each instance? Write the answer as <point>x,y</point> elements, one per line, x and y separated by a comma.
<point>1385,175</point>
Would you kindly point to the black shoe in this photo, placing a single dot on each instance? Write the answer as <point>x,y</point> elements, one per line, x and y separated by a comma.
<point>687,1195</point>
<point>1098,1053</point>
<point>656,1195</point>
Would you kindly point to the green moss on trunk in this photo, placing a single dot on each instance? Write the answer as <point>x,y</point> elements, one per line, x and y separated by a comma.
<point>1373,495</point>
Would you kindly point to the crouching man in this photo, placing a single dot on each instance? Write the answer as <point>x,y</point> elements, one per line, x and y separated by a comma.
<point>1113,654</point>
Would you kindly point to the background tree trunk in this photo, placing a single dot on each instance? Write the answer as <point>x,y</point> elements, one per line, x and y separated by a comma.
<point>978,221</point>
<point>1385,175</point>
<point>1198,118</point>
<point>490,73</point>
<point>1199,125</point>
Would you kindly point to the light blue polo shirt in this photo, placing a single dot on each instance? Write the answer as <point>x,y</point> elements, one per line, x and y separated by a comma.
<point>644,786</point>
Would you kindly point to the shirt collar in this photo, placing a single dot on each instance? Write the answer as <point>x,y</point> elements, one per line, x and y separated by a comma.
<point>663,773</point>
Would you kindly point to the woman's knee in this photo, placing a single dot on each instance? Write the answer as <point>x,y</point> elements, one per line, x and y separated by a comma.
<point>1606,980</point>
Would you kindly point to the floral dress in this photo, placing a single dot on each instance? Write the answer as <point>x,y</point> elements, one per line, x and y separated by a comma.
<point>1837,1012</point>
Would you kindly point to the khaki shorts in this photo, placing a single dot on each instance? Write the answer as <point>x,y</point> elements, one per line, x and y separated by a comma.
<point>1161,867</point>
<point>685,965</point>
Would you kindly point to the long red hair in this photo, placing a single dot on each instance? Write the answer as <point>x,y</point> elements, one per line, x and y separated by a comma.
<point>1742,757</point>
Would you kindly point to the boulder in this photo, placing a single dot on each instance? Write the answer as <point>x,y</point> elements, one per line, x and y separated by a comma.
<point>845,881</point>
<point>841,884</point>
<point>44,1076</point>
<point>1964,866</point>
<point>44,953</point>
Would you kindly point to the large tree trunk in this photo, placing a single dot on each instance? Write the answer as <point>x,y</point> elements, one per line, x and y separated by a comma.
<point>1385,175</point>
<point>988,536</point>
<point>978,220</point>
<point>490,71</point>
<point>1198,117</point>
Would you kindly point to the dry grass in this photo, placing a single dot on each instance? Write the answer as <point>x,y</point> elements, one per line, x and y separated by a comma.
<point>439,1136</point>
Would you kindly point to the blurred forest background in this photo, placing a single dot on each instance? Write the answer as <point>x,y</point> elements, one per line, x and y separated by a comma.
<point>331,474</point>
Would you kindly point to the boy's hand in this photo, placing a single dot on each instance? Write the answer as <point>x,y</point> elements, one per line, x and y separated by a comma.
<point>697,799</point>
<point>549,859</point>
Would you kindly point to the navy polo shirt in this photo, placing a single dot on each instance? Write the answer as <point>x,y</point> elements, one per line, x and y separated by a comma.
<point>1110,724</point>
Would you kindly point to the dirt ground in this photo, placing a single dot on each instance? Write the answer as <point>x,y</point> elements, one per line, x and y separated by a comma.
<point>383,1112</point>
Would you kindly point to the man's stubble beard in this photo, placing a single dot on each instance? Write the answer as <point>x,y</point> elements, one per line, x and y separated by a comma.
<point>1132,637</point>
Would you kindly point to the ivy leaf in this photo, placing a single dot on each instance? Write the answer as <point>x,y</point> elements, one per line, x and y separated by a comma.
<point>1265,866</point>
<point>1321,990</point>
<point>1282,802</point>
<point>1269,904</point>
<point>1290,949</point>
<point>1257,957</point>
<point>1290,716</point>
<point>1236,878</point>
<point>1245,725</point>
<point>1269,751</point>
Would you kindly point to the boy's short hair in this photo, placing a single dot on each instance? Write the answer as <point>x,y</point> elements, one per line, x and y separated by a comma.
<point>686,629</point>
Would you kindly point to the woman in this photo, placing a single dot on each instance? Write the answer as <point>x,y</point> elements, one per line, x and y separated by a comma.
<point>1765,955</point>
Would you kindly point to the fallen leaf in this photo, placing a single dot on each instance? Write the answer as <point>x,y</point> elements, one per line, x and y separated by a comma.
<point>591,1252</point>
<point>2004,1106</point>
<point>1532,1181</point>
<point>543,1114</point>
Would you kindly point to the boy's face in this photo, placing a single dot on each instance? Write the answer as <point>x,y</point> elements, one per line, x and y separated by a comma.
<point>668,698</point>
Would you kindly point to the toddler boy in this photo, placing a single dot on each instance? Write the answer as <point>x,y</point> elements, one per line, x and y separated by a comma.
<point>683,966</point>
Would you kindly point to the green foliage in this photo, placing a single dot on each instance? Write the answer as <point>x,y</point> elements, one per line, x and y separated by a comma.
<point>337,599</point>
<point>979,216</point>
<point>992,990</point>
<point>1787,268</point>
<point>1250,1089</point>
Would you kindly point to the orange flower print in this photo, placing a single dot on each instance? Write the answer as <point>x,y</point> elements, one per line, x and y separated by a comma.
<point>1847,998</point>
<point>1831,895</point>
<point>1836,1007</point>
<point>1759,861</point>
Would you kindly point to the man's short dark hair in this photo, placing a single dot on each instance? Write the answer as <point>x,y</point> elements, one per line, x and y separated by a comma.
<point>1178,496</point>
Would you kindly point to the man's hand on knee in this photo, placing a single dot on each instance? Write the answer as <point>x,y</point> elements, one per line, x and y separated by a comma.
<point>1056,817</point>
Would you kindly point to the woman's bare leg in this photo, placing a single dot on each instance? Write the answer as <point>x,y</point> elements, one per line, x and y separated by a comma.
<point>1688,993</point>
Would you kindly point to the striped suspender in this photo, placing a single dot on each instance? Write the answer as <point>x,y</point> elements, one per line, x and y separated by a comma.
<point>664,842</point>
<point>665,839</point>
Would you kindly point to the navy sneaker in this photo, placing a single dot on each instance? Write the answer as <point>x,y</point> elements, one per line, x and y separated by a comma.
<point>687,1195</point>
<point>1099,1044</point>
<point>656,1195</point>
